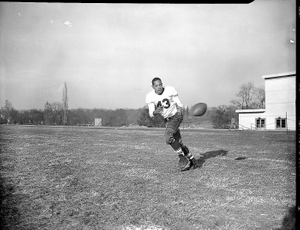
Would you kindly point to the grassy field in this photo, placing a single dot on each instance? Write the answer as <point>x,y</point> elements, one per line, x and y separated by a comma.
<point>127,179</point>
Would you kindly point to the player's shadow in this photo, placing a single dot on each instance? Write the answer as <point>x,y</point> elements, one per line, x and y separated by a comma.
<point>210,154</point>
<point>290,221</point>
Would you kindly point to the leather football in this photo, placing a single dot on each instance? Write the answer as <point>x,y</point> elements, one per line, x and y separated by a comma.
<point>199,109</point>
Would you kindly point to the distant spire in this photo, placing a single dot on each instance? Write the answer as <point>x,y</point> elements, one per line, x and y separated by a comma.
<point>65,104</point>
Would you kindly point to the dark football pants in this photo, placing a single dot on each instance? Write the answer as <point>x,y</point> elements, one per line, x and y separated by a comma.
<point>172,133</point>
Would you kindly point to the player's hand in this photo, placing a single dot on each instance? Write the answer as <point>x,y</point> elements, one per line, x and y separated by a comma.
<point>159,110</point>
<point>180,110</point>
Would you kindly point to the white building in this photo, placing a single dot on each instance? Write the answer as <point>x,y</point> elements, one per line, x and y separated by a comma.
<point>98,121</point>
<point>280,105</point>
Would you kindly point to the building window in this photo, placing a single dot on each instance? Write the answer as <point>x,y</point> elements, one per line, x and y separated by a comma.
<point>280,122</point>
<point>260,122</point>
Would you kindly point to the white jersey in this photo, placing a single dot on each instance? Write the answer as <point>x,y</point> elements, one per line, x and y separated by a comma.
<point>168,100</point>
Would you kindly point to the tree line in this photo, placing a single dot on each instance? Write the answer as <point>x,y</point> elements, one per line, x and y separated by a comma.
<point>53,114</point>
<point>248,97</point>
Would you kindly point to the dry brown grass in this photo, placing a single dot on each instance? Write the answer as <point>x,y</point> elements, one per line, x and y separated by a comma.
<point>125,179</point>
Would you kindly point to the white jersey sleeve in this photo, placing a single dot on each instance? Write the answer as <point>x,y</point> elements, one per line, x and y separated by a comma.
<point>150,101</point>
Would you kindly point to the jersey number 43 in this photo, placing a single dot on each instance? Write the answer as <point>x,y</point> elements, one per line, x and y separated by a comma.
<point>164,103</point>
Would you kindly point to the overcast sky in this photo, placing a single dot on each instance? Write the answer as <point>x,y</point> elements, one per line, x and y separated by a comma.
<point>108,53</point>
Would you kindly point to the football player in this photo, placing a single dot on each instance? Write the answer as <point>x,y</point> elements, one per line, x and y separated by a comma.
<point>164,100</point>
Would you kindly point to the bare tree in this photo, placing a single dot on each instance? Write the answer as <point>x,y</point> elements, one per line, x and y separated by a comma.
<point>57,111</point>
<point>8,108</point>
<point>249,97</point>
<point>48,113</point>
<point>8,112</point>
<point>260,97</point>
<point>53,113</point>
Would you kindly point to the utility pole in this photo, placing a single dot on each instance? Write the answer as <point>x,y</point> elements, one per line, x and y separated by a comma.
<point>65,104</point>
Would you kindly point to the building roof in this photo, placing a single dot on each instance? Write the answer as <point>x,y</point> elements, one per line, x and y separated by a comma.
<point>278,75</point>
<point>250,110</point>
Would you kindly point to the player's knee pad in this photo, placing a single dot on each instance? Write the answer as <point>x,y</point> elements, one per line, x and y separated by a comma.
<point>169,140</point>
<point>169,136</point>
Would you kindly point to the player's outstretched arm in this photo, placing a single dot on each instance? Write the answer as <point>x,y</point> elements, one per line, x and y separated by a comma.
<point>179,105</point>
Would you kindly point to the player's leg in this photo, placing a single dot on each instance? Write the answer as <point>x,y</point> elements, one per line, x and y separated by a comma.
<point>177,136</point>
<point>173,138</point>
<point>189,155</point>
<point>185,149</point>
<point>172,133</point>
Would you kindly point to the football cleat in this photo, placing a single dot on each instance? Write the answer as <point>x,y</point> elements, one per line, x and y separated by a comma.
<point>184,163</point>
<point>193,162</point>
